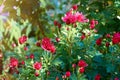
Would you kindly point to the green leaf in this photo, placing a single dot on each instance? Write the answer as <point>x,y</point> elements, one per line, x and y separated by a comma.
<point>18,12</point>
<point>28,30</point>
<point>98,59</point>
<point>15,32</point>
<point>43,3</point>
<point>110,68</point>
<point>73,77</point>
<point>57,62</point>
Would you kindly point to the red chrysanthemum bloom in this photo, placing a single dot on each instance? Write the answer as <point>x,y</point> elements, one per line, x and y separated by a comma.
<point>57,39</point>
<point>67,28</point>
<point>32,56</point>
<point>107,44</point>
<point>13,45</point>
<point>36,74</point>
<point>68,74</point>
<point>82,70</point>
<point>75,7</point>
<point>26,57</point>
<point>25,48</point>
<point>116,78</point>
<point>22,39</point>
<point>47,45</point>
<point>13,62</point>
<point>37,65</point>
<point>116,38</point>
<point>95,31</point>
<point>73,65</point>
<point>97,77</point>
<point>107,35</point>
<point>57,78</point>
<point>75,25</point>
<point>23,62</point>
<point>59,25</point>
<point>55,22</point>
<point>48,72</point>
<point>83,37</point>
<point>99,41</point>
<point>38,44</point>
<point>82,63</point>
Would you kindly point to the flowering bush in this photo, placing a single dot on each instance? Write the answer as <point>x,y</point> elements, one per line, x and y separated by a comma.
<point>76,52</point>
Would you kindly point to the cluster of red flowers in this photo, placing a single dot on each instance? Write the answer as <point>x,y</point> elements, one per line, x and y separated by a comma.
<point>21,40</point>
<point>82,64</point>
<point>98,77</point>
<point>73,17</point>
<point>93,23</point>
<point>14,65</point>
<point>56,23</point>
<point>99,42</point>
<point>67,75</point>
<point>31,56</point>
<point>115,39</point>
<point>48,45</point>
<point>37,66</point>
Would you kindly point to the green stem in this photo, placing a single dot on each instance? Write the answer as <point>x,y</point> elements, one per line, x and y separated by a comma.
<point>69,39</point>
<point>78,77</point>
<point>67,78</point>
